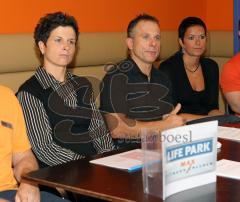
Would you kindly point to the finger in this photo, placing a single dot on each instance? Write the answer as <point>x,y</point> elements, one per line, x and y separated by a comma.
<point>176,109</point>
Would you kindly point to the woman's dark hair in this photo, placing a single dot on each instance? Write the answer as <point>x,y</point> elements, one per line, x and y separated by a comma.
<point>51,21</point>
<point>189,22</point>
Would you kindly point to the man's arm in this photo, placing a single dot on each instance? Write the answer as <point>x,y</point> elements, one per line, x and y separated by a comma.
<point>190,117</point>
<point>24,162</point>
<point>121,126</point>
<point>233,99</point>
<point>215,112</point>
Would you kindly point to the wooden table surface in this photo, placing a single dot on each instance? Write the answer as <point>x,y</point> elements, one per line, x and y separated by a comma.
<point>117,185</point>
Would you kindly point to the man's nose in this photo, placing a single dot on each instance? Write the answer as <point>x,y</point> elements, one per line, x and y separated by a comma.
<point>153,42</point>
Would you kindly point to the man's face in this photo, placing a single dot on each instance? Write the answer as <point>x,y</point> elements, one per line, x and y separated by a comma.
<point>144,45</point>
<point>60,47</point>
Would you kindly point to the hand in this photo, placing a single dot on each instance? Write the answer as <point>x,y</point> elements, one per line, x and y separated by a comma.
<point>173,119</point>
<point>27,192</point>
<point>176,109</point>
<point>173,112</point>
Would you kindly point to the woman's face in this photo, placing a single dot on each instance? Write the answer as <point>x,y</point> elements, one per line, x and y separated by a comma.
<point>60,47</point>
<point>194,41</point>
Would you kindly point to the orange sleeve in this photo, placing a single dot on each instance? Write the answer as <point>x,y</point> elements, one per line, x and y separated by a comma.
<point>20,138</point>
<point>230,76</point>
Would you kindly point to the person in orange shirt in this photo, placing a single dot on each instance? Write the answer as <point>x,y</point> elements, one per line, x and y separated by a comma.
<point>230,82</point>
<point>16,157</point>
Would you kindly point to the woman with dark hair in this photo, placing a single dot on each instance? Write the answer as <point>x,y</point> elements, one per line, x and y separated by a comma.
<point>194,78</point>
<point>63,123</point>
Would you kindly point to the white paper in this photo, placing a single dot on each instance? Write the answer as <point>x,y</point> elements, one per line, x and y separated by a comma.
<point>130,160</point>
<point>227,168</point>
<point>229,133</point>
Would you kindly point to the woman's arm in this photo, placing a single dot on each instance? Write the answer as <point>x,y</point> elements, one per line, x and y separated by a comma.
<point>40,132</point>
<point>213,88</point>
<point>102,140</point>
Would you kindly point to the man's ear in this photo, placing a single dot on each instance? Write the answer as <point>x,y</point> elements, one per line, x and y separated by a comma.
<point>41,46</point>
<point>129,42</point>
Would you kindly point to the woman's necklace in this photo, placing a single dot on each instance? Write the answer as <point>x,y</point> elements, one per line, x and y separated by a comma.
<point>192,70</point>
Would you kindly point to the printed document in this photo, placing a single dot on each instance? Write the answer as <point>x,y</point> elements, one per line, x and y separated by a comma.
<point>130,160</point>
<point>227,168</point>
<point>229,133</point>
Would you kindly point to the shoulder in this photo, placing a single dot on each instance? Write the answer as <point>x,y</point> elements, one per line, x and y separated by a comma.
<point>29,84</point>
<point>209,61</point>
<point>233,64</point>
<point>32,87</point>
<point>176,57</point>
<point>161,77</point>
<point>230,75</point>
<point>8,100</point>
<point>231,70</point>
<point>6,92</point>
<point>82,85</point>
<point>159,73</point>
<point>82,80</point>
<point>172,62</point>
<point>172,66</point>
<point>210,64</point>
<point>235,59</point>
<point>122,67</point>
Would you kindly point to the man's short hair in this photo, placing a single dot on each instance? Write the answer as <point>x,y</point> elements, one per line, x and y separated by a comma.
<point>51,21</point>
<point>136,20</point>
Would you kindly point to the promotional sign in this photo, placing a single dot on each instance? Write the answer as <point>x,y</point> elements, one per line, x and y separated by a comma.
<point>189,164</point>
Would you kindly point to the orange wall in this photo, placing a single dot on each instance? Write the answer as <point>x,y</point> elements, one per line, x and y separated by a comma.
<point>21,16</point>
<point>219,14</point>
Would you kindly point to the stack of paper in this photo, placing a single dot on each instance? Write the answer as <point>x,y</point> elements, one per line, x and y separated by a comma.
<point>131,160</point>
<point>229,133</point>
<point>227,168</point>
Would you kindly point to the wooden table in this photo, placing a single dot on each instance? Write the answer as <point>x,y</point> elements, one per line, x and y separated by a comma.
<point>116,185</point>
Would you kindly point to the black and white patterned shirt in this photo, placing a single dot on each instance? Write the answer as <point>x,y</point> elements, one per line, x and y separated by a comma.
<point>39,129</point>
